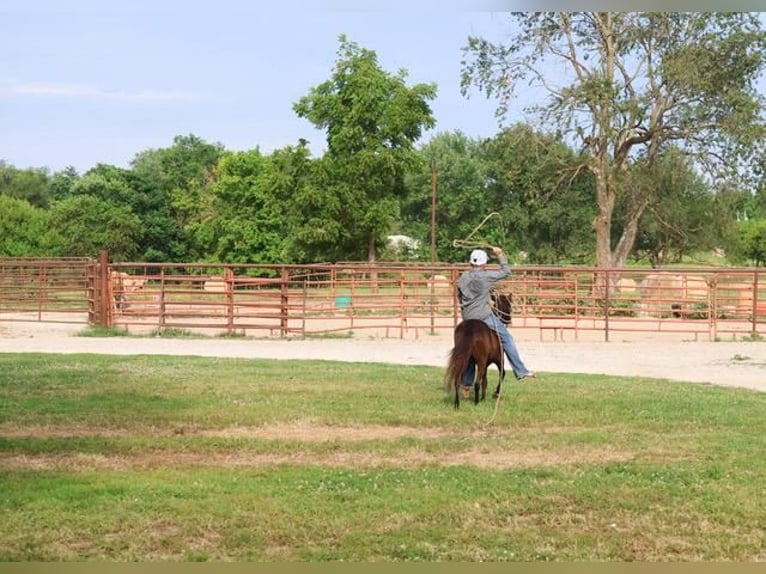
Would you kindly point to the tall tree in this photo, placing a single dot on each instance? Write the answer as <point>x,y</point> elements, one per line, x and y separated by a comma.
<point>372,120</point>
<point>623,85</point>
<point>682,215</point>
<point>521,189</point>
<point>249,223</point>
<point>298,183</point>
<point>22,227</point>
<point>32,185</point>
<point>544,198</point>
<point>158,239</point>
<point>83,225</point>
<point>461,198</point>
<point>182,176</point>
<point>61,182</point>
<point>750,243</point>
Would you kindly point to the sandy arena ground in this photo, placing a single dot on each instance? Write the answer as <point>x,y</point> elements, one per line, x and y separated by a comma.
<point>734,364</point>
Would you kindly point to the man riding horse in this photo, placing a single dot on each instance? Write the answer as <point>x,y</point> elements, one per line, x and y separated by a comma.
<point>473,292</point>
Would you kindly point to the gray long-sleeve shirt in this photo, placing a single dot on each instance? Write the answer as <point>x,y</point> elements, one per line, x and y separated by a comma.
<point>474,286</point>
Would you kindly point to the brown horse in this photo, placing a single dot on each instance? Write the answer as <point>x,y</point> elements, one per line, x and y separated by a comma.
<point>502,306</point>
<point>474,340</point>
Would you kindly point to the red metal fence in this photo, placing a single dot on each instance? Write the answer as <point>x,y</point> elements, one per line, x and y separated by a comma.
<point>47,290</point>
<point>383,300</point>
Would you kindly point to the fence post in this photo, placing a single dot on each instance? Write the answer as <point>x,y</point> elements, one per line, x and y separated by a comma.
<point>454,275</point>
<point>228,283</point>
<point>403,305</point>
<point>105,290</point>
<point>91,292</point>
<point>161,301</point>
<point>754,327</point>
<point>284,290</point>
<point>712,296</point>
<point>576,306</point>
<point>607,280</point>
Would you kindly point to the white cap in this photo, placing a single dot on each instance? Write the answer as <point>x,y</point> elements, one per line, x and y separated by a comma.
<point>478,257</point>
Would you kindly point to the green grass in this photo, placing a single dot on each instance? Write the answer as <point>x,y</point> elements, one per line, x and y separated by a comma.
<point>197,459</point>
<point>166,333</point>
<point>97,331</point>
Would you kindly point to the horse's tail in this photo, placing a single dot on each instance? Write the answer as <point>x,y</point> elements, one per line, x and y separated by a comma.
<point>459,357</point>
<point>450,376</point>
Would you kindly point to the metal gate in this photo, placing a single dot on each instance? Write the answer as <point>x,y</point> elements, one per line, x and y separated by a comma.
<point>63,290</point>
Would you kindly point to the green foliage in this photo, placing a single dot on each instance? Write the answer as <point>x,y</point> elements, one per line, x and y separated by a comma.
<point>96,331</point>
<point>682,213</point>
<point>249,222</point>
<point>372,120</point>
<point>181,178</point>
<point>107,183</point>
<point>83,225</point>
<point>30,185</point>
<point>61,182</point>
<point>21,228</point>
<point>173,333</point>
<point>519,189</point>
<point>160,237</point>
<point>750,244</point>
<point>753,338</point>
<point>461,204</point>
<point>546,202</point>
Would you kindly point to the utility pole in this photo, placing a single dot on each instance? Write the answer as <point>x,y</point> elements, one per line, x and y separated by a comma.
<point>433,212</point>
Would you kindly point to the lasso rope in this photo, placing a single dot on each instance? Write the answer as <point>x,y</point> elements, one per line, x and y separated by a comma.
<point>467,243</point>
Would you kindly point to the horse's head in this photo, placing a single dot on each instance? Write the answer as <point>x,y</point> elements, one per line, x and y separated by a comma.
<point>502,305</point>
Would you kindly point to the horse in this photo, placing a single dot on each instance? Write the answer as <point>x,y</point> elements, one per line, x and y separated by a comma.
<point>502,305</point>
<point>475,340</point>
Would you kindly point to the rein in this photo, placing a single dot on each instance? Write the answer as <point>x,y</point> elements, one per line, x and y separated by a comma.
<point>500,390</point>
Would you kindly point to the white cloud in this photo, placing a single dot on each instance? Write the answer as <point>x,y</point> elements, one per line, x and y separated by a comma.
<point>81,91</point>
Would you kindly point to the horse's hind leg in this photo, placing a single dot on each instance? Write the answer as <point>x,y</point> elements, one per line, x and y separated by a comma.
<point>481,384</point>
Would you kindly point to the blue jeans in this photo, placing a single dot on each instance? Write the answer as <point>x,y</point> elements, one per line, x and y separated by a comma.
<point>520,370</point>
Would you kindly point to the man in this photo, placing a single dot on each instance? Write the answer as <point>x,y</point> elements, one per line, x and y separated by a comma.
<point>473,292</point>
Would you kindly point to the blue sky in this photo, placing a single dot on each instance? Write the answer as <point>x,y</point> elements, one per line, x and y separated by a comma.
<point>84,82</point>
<point>93,82</point>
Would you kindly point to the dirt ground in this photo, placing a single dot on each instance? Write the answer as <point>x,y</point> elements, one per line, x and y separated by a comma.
<point>733,363</point>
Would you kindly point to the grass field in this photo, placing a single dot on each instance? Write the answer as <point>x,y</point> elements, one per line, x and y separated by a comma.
<point>196,459</point>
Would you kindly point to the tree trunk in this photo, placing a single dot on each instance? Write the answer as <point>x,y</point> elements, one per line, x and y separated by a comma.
<point>625,244</point>
<point>637,201</point>
<point>603,222</point>
<point>371,254</point>
<point>603,238</point>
